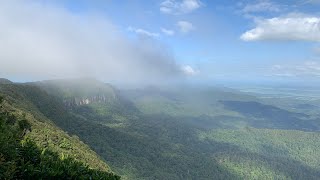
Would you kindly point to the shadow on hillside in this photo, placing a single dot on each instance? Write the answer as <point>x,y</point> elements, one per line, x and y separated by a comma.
<point>267,116</point>
<point>279,165</point>
<point>276,159</point>
<point>139,152</point>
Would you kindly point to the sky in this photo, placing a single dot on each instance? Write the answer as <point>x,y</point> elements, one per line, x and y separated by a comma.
<point>138,41</point>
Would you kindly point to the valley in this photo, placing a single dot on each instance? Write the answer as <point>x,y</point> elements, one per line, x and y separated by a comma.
<point>176,133</point>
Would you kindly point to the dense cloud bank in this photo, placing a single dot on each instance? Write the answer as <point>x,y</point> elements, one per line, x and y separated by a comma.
<point>43,41</point>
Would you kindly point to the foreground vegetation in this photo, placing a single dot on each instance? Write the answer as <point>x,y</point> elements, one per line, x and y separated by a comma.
<point>30,149</point>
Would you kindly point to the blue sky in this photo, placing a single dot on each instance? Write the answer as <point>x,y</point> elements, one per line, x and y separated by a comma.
<point>213,45</point>
<point>217,39</point>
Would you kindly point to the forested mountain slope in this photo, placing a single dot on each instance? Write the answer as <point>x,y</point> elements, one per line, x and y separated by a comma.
<point>51,151</point>
<point>153,133</point>
<point>170,133</point>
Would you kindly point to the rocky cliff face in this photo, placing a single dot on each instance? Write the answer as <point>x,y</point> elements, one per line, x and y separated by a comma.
<point>79,101</point>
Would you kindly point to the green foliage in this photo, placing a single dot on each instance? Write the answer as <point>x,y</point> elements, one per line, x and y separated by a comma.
<point>175,134</point>
<point>25,160</point>
<point>268,154</point>
<point>32,149</point>
<point>24,125</point>
<point>31,103</point>
<point>44,164</point>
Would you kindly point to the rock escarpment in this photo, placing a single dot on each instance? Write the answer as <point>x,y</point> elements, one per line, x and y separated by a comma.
<point>79,101</point>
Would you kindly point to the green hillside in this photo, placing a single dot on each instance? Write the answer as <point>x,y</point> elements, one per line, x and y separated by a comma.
<point>154,133</point>
<point>56,150</point>
<point>166,133</point>
<point>267,154</point>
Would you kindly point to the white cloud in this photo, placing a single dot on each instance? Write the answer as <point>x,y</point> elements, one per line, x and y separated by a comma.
<point>167,31</point>
<point>143,32</point>
<point>291,27</point>
<point>188,70</point>
<point>43,41</point>
<point>307,68</point>
<point>179,6</point>
<point>310,2</point>
<point>185,26</point>
<point>317,50</point>
<point>261,6</point>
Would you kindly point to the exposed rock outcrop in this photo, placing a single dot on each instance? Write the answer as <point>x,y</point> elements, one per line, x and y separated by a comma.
<point>78,101</point>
